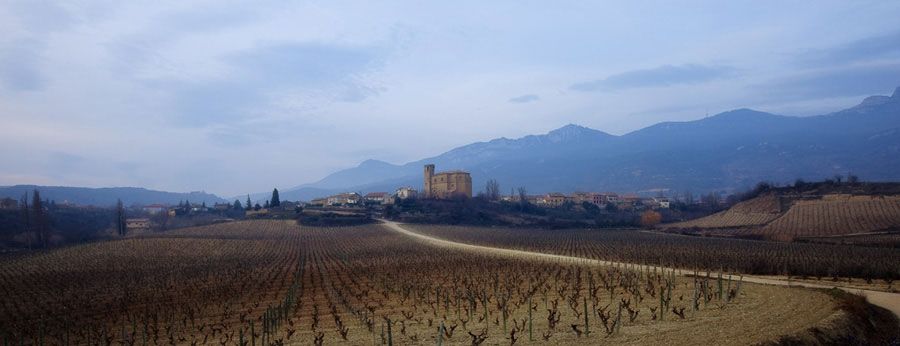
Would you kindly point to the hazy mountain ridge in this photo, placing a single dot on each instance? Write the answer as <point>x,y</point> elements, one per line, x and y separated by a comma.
<point>729,150</point>
<point>107,196</point>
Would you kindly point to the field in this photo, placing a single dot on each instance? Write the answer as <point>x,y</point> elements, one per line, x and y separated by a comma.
<point>273,282</point>
<point>678,251</point>
<point>786,219</point>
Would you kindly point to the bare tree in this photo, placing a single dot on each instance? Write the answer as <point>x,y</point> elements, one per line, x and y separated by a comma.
<point>40,223</point>
<point>523,197</point>
<point>492,190</point>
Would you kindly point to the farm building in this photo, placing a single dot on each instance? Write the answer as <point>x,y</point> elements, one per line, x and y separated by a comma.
<point>137,224</point>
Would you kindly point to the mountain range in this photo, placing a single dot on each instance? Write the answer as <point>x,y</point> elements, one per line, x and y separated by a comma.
<point>725,152</point>
<point>108,196</point>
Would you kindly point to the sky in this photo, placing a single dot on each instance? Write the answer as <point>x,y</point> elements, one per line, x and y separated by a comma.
<point>236,97</point>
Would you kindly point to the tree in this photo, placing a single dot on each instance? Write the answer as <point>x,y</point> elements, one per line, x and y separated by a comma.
<point>492,190</point>
<point>852,179</point>
<point>249,204</point>
<point>523,197</point>
<point>275,200</point>
<point>40,223</point>
<point>257,207</point>
<point>267,205</point>
<point>590,208</point>
<point>26,217</point>
<point>121,227</point>
<point>650,218</point>
<point>237,205</point>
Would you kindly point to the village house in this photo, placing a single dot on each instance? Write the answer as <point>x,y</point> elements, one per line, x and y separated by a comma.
<point>376,197</point>
<point>406,192</point>
<point>223,206</point>
<point>318,202</point>
<point>662,202</point>
<point>154,209</point>
<point>580,197</point>
<point>347,198</point>
<point>554,199</point>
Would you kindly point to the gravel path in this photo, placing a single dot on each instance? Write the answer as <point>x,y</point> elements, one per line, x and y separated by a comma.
<point>890,301</point>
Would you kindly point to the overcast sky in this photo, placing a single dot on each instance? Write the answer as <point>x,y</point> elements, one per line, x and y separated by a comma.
<point>232,99</point>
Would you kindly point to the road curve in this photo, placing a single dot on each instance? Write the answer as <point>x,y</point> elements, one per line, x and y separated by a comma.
<point>889,301</point>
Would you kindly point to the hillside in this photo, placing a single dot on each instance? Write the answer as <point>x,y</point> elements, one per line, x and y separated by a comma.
<point>727,151</point>
<point>108,196</point>
<point>790,215</point>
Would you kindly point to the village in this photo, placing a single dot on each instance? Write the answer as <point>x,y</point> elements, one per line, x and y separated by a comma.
<point>458,184</point>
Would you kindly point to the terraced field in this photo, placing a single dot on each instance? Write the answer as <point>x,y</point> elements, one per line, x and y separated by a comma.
<point>830,215</point>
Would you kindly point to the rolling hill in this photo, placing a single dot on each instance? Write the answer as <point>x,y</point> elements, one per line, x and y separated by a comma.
<point>788,213</point>
<point>109,195</point>
<point>727,151</point>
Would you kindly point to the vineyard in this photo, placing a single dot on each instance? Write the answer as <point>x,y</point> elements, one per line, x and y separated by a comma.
<point>835,215</point>
<point>274,283</point>
<point>677,251</point>
<point>828,215</point>
<point>754,212</point>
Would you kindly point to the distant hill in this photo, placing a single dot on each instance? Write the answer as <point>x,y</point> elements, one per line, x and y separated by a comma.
<point>108,196</point>
<point>727,151</point>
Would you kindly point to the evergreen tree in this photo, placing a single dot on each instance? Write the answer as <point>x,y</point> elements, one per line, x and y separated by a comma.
<point>267,205</point>
<point>237,205</point>
<point>26,219</point>
<point>121,227</point>
<point>275,200</point>
<point>40,218</point>
<point>249,204</point>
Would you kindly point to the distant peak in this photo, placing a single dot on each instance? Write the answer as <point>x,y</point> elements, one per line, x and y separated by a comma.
<point>896,94</point>
<point>875,100</point>
<point>372,162</point>
<point>573,129</point>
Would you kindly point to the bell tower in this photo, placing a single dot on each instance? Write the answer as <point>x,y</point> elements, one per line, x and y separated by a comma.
<point>429,172</point>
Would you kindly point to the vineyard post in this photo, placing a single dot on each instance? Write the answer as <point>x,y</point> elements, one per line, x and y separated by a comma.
<point>719,283</point>
<point>440,337</point>
<point>530,335</point>
<point>252,335</point>
<point>390,335</point>
<point>241,336</point>
<point>41,333</point>
<point>662,311</point>
<point>728,291</point>
<point>587,325</point>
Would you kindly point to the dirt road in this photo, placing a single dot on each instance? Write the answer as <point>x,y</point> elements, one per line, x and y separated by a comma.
<point>890,301</point>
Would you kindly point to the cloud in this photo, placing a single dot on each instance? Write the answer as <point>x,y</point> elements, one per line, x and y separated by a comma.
<point>665,75</point>
<point>258,77</point>
<point>524,98</point>
<point>870,48</point>
<point>19,66</point>
<point>854,80</point>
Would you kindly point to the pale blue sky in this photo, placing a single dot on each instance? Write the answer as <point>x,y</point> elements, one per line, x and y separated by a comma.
<point>234,98</point>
